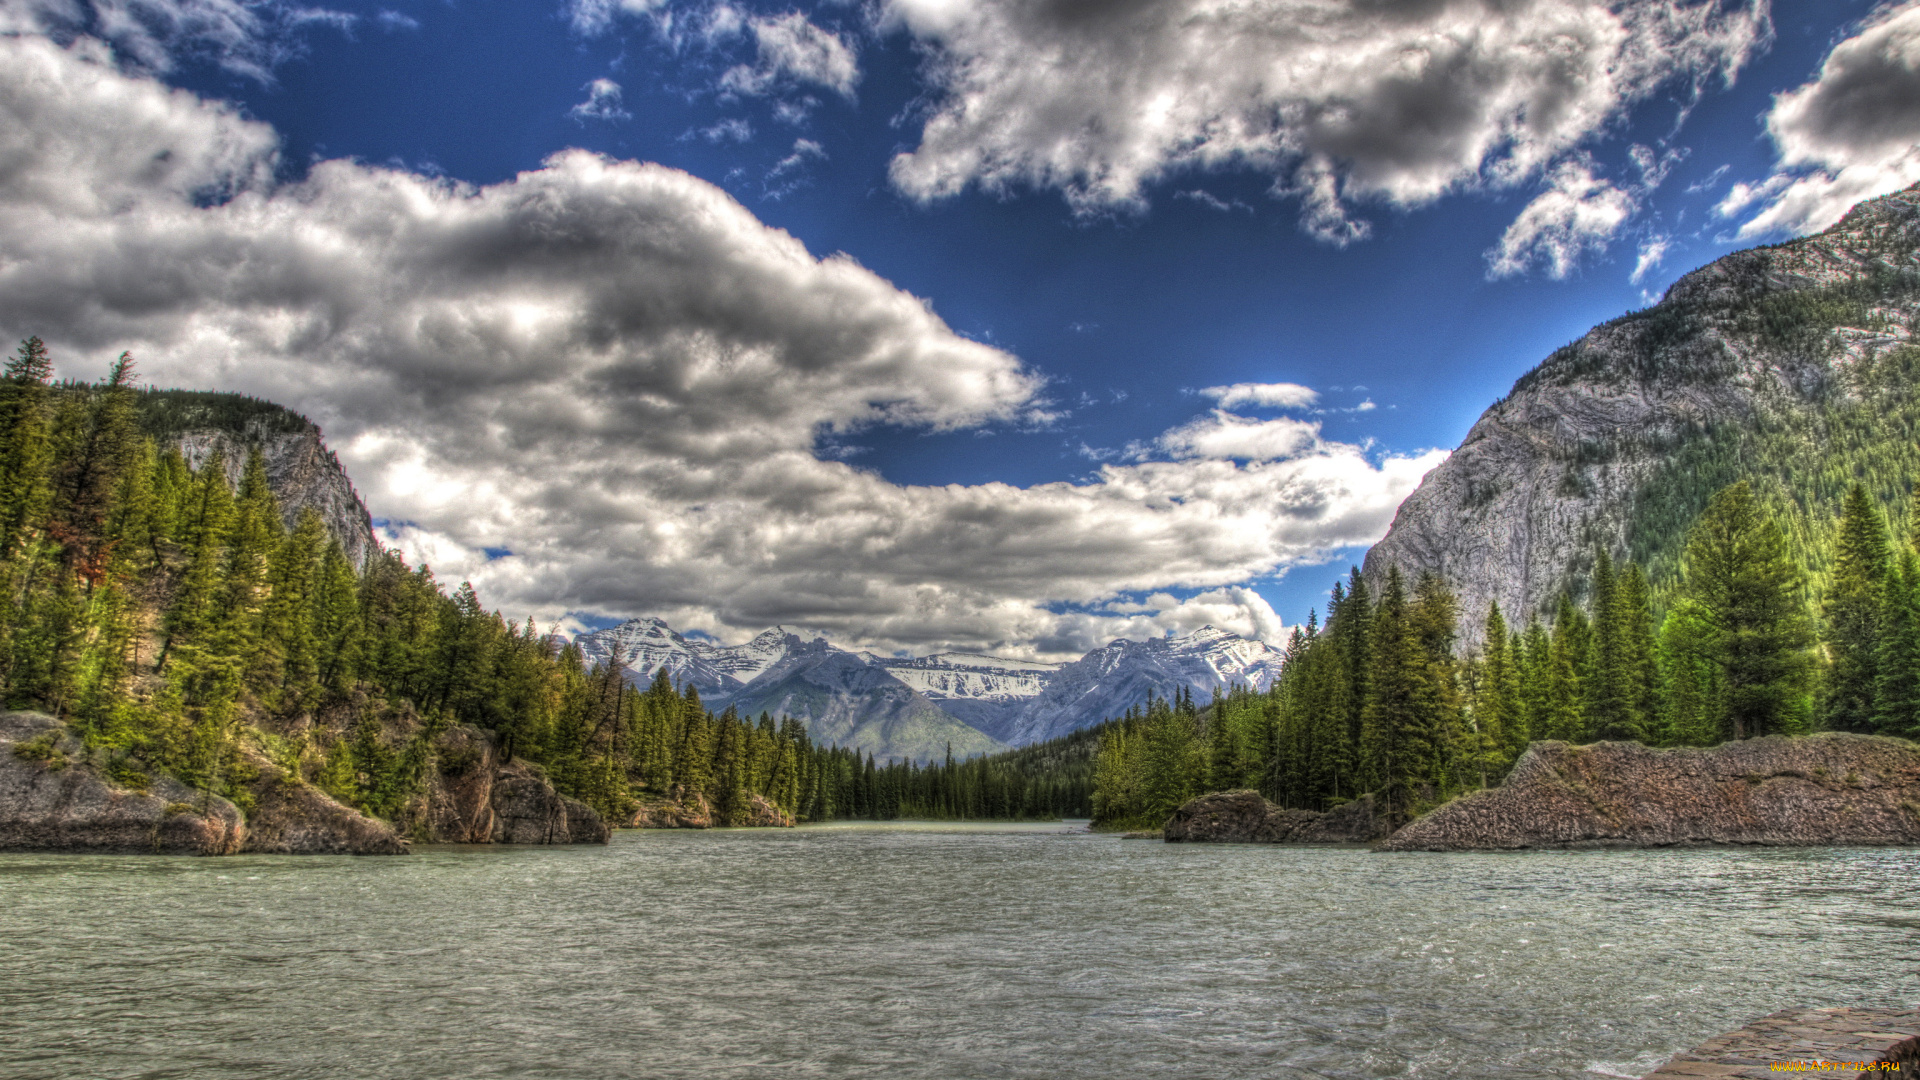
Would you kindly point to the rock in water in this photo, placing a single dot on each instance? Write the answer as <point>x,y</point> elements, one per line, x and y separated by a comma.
<point>50,800</point>
<point>477,798</point>
<point>1813,790</point>
<point>1245,817</point>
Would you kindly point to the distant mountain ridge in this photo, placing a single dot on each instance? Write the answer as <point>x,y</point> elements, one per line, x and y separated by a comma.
<point>914,707</point>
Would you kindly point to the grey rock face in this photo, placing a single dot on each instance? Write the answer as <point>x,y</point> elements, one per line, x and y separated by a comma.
<point>476,798</point>
<point>1815,790</point>
<point>1245,817</point>
<point>303,474</point>
<point>53,801</point>
<point>1553,470</point>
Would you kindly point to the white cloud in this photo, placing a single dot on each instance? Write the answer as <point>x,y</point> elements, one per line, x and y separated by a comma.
<point>1237,610</point>
<point>603,103</point>
<point>619,374</point>
<point>1340,101</point>
<point>1265,395</point>
<point>592,18</point>
<point>1225,436</point>
<point>804,150</point>
<point>248,37</point>
<point>1846,136</point>
<point>1652,251</point>
<point>1578,213</point>
<point>793,50</point>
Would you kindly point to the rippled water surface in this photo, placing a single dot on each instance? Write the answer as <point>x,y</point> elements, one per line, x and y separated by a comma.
<point>929,951</point>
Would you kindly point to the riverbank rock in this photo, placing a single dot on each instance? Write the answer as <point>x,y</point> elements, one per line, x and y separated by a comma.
<point>694,811</point>
<point>474,797</point>
<point>53,800</point>
<point>1813,790</point>
<point>292,817</point>
<point>1245,817</point>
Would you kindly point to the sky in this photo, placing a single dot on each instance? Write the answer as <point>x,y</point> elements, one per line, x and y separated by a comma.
<point>1010,326</point>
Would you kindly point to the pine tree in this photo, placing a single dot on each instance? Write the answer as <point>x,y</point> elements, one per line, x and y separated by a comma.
<point>1692,712</point>
<point>1862,559</point>
<point>1897,666</point>
<point>1498,717</point>
<point>1737,568</point>
<point>1566,654</point>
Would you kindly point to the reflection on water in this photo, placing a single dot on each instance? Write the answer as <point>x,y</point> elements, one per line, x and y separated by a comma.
<point>927,950</point>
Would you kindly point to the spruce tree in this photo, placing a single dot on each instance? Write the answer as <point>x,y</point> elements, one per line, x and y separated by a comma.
<point>1738,569</point>
<point>1851,609</point>
<point>1897,665</point>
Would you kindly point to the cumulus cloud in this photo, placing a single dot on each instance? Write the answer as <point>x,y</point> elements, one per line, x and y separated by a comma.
<point>1265,395</point>
<point>1238,610</point>
<point>1578,213</point>
<point>1848,135</point>
<point>1340,101</point>
<point>616,373</point>
<point>792,50</point>
<point>603,103</point>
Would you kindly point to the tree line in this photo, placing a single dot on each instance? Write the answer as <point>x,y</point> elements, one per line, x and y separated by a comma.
<point>178,624</point>
<point>1377,702</point>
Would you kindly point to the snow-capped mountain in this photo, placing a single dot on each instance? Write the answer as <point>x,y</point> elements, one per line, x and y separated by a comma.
<point>646,645</point>
<point>916,706</point>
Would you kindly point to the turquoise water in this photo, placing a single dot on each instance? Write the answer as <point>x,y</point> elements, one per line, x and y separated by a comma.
<point>929,951</point>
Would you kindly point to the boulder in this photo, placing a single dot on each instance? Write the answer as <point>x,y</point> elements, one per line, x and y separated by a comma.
<point>475,797</point>
<point>1834,788</point>
<point>53,799</point>
<point>1245,817</point>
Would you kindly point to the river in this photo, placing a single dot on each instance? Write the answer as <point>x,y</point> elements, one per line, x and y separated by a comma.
<point>928,951</point>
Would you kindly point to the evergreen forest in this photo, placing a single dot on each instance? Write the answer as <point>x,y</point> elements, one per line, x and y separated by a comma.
<point>1377,701</point>
<point>178,624</point>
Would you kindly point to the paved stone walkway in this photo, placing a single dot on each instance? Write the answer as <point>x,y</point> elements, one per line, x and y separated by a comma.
<point>1811,1042</point>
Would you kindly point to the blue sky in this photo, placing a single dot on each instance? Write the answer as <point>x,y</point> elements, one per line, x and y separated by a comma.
<point>1103,270</point>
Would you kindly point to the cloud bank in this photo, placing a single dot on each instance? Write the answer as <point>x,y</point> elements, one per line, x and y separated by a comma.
<point>1848,135</point>
<point>618,374</point>
<point>1342,102</point>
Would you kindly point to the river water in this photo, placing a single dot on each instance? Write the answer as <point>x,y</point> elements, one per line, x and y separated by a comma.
<point>929,951</point>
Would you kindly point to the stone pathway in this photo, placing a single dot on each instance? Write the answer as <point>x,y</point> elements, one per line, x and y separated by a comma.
<point>1813,1042</point>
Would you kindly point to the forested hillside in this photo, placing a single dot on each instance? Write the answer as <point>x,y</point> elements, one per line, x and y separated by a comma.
<point>1381,701</point>
<point>171,617</point>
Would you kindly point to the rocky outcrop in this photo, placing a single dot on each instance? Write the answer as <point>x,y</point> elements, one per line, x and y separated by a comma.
<point>1833,789</point>
<point>55,796</point>
<point>52,799</point>
<point>1588,448</point>
<point>1245,817</point>
<point>694,811</point>
<point>291,817</point>
<point>476,797</point>
<point>302,472</point>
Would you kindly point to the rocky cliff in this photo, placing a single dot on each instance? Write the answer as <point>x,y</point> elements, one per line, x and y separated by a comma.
<point>475,797</point>
<point>302,472</point>
<point>55,795</point>
<point>1245,817</point>
<point>1771,365</point>
<point>1832,789</point>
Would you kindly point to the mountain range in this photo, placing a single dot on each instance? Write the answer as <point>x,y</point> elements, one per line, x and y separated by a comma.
<point>918,707</point>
